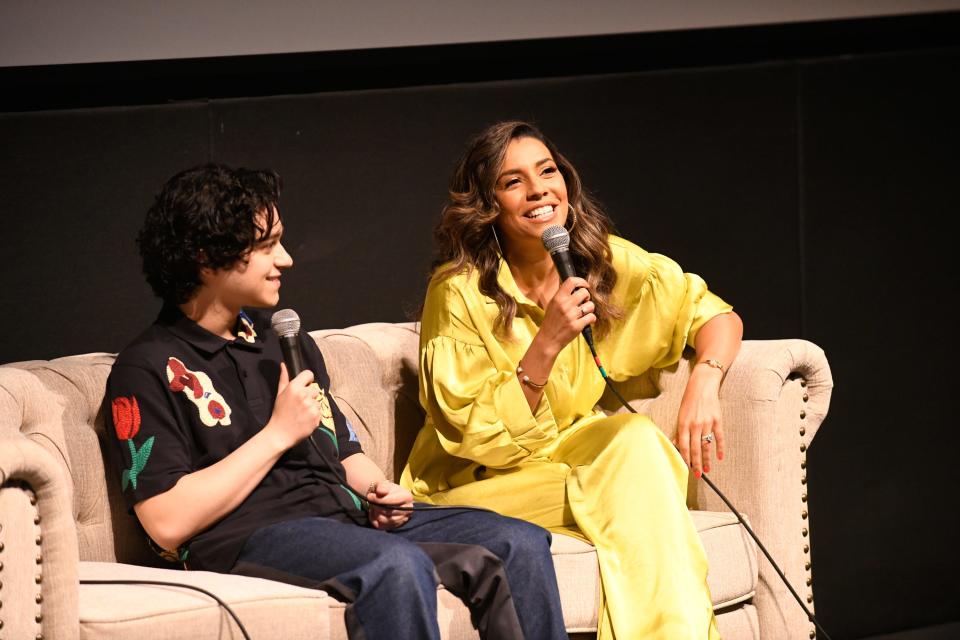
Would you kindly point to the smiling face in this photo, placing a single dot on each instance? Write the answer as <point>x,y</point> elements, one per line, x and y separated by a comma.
<point>531,192</point>
<point>254,281</point>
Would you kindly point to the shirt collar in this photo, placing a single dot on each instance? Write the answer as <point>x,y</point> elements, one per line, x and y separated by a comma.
<point>509,285</point>
<point>191,332</point>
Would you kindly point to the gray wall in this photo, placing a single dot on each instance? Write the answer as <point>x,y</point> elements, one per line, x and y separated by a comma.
<point>44,32</point>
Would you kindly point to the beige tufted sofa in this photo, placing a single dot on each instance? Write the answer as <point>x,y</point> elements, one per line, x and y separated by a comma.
<point>62,519</point>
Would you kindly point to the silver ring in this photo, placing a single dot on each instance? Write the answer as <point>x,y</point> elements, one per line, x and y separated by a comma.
<point>582,312</point>
<point>707,438</point>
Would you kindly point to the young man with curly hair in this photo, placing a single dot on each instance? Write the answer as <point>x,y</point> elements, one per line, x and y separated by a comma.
<point>213,452</point>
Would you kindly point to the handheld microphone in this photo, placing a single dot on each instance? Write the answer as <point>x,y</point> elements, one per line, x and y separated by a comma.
<point>286,324</point>
<point>556,241</point>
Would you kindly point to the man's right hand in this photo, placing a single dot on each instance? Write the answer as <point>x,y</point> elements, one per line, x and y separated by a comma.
<point>296,413</point>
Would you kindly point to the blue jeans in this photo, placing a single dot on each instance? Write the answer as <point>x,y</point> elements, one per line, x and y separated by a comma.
<point>390,579</point>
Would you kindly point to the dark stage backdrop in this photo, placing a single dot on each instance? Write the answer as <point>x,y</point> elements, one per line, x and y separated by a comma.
<point>809,193</point>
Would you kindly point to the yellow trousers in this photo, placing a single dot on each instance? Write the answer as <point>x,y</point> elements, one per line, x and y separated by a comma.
<point>619,483</point>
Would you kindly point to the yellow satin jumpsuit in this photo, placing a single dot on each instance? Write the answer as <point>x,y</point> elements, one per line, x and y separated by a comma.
<point>615,481</point>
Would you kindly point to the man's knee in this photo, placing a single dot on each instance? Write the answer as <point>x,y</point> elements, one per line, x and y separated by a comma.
<point>410,557</point>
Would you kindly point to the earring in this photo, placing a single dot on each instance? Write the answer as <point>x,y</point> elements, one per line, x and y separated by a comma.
<point>572,217</point>
<point>497,240</point>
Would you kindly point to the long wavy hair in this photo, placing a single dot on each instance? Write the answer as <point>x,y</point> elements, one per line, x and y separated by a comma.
<point>465,238</point>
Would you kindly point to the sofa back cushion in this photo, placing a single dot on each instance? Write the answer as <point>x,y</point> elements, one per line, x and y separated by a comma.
<point>60,405</point>
<point>373,378</point>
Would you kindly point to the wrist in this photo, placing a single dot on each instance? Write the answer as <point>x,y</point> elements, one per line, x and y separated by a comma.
<point>543,349</point>
<point>277,438</point>
<point>528,381</point>
<point>714,364</point>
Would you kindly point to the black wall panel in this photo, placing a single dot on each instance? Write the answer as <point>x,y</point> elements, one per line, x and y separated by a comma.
<point>75,186</point>
<point>880,172</point>
<point>366,175</point>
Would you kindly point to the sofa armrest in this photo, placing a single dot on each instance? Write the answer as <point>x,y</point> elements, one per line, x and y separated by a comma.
<point>39,558</point>
<point>774,398</point>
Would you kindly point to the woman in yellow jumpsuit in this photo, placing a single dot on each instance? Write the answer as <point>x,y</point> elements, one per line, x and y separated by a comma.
<point>510,389</point>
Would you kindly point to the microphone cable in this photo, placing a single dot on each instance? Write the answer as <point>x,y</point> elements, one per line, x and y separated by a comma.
<point>812,618</point>
<point>226,607</point>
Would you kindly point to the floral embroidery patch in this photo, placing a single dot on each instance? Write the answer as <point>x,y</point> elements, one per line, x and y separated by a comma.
<point>198,386</point>
<point>245,329</point>
<point>353,434</point>
<point>326,413</point>
<point>126,422</point>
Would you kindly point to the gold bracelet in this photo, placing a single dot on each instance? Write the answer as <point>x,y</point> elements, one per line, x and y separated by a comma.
<point>716,364</point>
<point>525,379</point>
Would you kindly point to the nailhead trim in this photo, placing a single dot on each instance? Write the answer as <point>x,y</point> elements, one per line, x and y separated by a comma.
<point>39,559</point>
<point>804,515</point>
<point>1,569</point>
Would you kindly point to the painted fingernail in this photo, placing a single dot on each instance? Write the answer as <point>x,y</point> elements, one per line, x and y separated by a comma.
<point>720,455</point>
<point>696,473</point>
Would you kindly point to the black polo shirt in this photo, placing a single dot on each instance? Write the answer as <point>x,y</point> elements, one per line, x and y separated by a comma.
<point>182,398</point>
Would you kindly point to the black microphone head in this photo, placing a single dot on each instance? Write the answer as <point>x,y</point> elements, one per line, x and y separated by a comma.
<point>555,238</point>
<point>286,323</point>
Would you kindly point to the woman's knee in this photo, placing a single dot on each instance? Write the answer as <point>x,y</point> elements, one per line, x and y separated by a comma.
<point>621,429</point>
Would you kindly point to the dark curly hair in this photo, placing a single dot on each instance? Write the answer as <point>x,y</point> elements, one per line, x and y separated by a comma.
<point>205,217</point>
<point>464,235</point>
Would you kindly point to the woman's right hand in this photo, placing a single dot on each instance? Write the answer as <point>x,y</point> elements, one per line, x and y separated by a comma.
<point>296,413</point>
<point>567,314</point>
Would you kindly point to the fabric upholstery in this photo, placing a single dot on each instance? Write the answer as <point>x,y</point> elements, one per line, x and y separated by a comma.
<point>38,543</point>
<point>267,609</point>
<point>774,398</point>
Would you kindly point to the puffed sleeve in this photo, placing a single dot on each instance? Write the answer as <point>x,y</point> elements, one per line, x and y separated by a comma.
<point>479,411</point>
<point>468,383</point>
<point>148,445</point>
<point>663,309</point>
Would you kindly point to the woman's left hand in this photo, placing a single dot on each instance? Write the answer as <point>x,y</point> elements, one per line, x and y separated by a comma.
<point>699,417</point>
<point>389,493</point>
